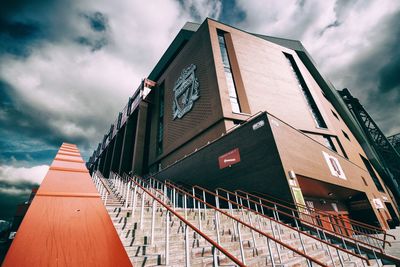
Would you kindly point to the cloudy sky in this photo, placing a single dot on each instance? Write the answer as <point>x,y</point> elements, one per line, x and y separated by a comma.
<point>68,67</point>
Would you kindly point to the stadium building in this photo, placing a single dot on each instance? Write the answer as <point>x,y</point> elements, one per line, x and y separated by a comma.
<point>228,108</point>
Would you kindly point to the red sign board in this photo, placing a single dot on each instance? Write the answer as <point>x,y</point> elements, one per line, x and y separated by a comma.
<point>228,159</point>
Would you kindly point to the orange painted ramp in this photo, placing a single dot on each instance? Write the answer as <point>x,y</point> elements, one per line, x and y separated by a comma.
<point>67,223</point>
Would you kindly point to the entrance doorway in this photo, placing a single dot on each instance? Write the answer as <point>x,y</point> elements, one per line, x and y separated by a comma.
<point>395,220</point>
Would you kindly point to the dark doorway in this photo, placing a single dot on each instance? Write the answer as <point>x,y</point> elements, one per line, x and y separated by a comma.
<point>395,220</point>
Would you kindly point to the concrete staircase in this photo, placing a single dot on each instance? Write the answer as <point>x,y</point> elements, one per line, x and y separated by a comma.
<point>154,236</point>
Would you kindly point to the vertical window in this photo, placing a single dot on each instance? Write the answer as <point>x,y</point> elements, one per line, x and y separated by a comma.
<point>328,143</point>
<point>346,135</point>
<point>312,106</point>
<point>334,114</point>
<point>160,126</point>
<point>228,73</point>
<point>373,174</point>
<point>341,148</point>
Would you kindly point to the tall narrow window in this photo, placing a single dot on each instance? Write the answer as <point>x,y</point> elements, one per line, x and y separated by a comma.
<point>373,174</point>
<point>160,126</point>
<point>228,73</point>
<point>306,93</point>
<point>328,142</point>
<point>342,148</point>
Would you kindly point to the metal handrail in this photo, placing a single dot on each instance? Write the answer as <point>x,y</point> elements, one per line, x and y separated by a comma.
<point>107,192</point>
<point>321,219</point>
<point>318,211</point>
<point>98,173</point>
<point>323,230</point>
<point>248,225</point>
<point>194,228</point>
<point>279,222</point>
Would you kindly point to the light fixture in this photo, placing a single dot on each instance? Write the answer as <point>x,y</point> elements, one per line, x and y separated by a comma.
<point>292,175</point>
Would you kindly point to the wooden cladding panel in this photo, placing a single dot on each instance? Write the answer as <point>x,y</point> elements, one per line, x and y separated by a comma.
<point>206,110</point>
<point>271,86</point>
<point>304,156</point>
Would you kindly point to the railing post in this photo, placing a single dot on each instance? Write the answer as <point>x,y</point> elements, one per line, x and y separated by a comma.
<point>199,212</point>
<point>153,218</point>
<point>216,199</point>
<point>174,198</point>
<point>127,194</point>
<point>384,239</point>
<point>271,255</point>
<point>216,217</point>
<point>194,200</point>
<point>241,244</point>
<point>167,238</point>
<point>142,210</point>
<point>248,201</point>
<point>134,201</point>
<point>184,206</point>
<point>276,244</point>
<point>204,204</point>
<point>252,232</point>
<point>340,258</point>
<point>215,257</point>
<point>187,252</point>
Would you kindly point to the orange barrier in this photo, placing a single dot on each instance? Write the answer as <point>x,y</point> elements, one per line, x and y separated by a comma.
<point>67,223</point>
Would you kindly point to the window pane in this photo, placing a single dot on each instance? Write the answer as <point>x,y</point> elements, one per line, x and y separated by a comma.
<point>228,74</point>
<point>306,93</point>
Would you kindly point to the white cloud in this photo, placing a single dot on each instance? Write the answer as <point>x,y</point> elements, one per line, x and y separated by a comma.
<point>78,92</point>
<point>333,46</point>
<point>15,175</point>
<point>14,191</point>
<point>340,36</point>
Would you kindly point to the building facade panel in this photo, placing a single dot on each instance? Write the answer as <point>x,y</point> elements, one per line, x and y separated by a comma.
<point>206,110</point>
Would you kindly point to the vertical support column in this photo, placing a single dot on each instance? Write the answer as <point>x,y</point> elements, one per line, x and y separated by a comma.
<point>101,161</point>
<point>117,150</point>
<point>107,162</point>
<point>125,164</point>
<point>138,151</point>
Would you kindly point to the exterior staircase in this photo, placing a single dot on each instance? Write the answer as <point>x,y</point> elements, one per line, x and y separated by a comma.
<point>161,224</point>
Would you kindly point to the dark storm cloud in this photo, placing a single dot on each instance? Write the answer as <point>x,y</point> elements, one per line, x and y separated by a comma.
<point>18,37</point>
<point>97,21</point>
<point>27,133</point>
<point>19,126</point>
<point>389,74</point>
<point>374,76</point>
<point>231,14</point>
<point>94,45</point>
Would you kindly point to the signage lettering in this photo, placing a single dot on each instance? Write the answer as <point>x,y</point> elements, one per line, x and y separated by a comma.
<point>229,158</point>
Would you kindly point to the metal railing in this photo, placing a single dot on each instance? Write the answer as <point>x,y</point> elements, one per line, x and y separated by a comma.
<point>275,215</point>
<point>338,230</point>
<point>101,186</point>
<point>156,200</point>
<point>282,227</point>
<point>360,227</point>
<point>202,206</point>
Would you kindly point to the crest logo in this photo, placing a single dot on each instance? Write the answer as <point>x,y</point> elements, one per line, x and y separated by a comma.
<point>186,91</point>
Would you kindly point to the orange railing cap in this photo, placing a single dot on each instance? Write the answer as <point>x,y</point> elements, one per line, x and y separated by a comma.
<point>67,223</point>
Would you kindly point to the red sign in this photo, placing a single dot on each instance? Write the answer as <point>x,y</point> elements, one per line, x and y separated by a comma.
<point>228,159</point>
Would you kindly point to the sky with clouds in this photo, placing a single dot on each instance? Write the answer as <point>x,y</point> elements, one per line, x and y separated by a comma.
<point>68,67</point>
